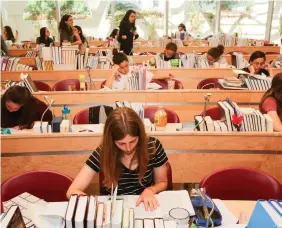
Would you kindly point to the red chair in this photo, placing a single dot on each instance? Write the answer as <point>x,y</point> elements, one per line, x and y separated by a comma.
<point>214,113</point>
<point>149,112</point>
<point>163,83</point>
<point>65,85</point>
<point>209,83</point>
<point>169,180</point>
<point>42,86</point>
<point>82,117</point>
<point>47,185</point>
<point>241,184</point>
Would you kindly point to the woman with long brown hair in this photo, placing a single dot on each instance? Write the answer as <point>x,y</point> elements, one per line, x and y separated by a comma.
<point>271,102</point>
<point>128,158</point>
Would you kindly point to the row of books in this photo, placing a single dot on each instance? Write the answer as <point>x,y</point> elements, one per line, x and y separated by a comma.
<point>163,41</point>
<point>234,118</point>
<point>255,83</point>
<point>231,41</point>
<point>60,55</point>
<point>12,64</point>
<point>162,64</point>
<point>31,53</point>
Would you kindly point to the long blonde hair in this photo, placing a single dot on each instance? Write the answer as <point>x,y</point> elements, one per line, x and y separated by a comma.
<point>122,122</point>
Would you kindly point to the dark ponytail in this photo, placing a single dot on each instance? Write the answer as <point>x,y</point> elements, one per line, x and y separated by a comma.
<point>119,57</point>
<point>216,52</point>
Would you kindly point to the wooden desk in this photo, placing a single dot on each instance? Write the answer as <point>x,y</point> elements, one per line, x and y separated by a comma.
<point>189,77</point>
<point>247,50</point>
<point>186,103</point>
<point>192,155</point>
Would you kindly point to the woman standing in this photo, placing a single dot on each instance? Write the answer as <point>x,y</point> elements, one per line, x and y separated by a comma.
<point>44,37</point>
<point>128,158</point>
<point>127,32</point>
<point>67,35</point>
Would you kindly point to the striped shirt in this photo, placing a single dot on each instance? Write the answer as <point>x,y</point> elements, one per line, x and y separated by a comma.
<point>128,183</point>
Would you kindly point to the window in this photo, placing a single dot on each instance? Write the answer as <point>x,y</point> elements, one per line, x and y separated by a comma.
<point>276,28</point>
<point>247,18</point>
<point>197,16</point>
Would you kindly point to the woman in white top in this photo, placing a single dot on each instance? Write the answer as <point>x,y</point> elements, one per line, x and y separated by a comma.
<point>118,79</point>
<point>214,55</point>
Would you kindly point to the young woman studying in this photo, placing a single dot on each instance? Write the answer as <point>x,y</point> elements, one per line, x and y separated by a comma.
<point>127,32</point>
<point>257,64</point>
<point>67,34</point>
<point>128,158</point>
<point>271,102</point>
<point>170,52</point>
<point>44,37</point>
<point>122,71</point>
<point>214,55</point>
<point>19,109</point>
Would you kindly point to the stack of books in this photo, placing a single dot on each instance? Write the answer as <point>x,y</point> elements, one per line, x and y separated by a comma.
<point>252,120</point>
<point>31,53</point>
<point>257,82</point>
<point>162,64</point>
<point>12,64</point>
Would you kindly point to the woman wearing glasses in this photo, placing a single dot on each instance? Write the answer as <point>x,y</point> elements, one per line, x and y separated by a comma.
<point>257,64</point>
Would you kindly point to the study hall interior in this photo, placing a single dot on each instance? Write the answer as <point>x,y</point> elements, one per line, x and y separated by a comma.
<point>141,114</point>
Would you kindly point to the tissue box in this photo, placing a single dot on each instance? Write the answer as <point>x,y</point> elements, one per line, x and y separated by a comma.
<point>266,214</point>
<point>36,127</point>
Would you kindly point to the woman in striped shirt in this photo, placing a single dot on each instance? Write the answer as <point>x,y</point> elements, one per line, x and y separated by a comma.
<point>128,158</point>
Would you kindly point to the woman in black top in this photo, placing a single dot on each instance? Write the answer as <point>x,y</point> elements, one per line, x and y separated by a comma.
<point>19,109</point>
<point>127,32</point>
<point>8,34</point>
<point>44,37</point>
<point>67,35</point>
<point>128,158</point>
<point>257,64</point>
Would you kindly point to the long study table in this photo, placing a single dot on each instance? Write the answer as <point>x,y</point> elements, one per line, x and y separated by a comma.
<point>192,155</point>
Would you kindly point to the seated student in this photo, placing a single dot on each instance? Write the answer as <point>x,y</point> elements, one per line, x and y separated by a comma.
<point>214,55</point>
<point>4,47</point>
<point>67,34</point>
<point>257,64</point>
<point>44,37</point>
<point>77,29</point>
<point>271,102</point>
<point>8,34</point>
<point>114,34</point>
<point>128,158</point>
<point>182,34</point>
<point>19,109</point>
<point>121,71</point>
<point>170,52</point>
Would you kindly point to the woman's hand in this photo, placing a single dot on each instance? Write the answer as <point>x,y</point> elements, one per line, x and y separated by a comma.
<point>115,72</point>
<point>251,69</point>
<point>149,199</point>
<point>135,33</point>
<point>124,37</point>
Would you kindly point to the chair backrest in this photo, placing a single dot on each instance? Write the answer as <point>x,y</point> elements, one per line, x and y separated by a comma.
<point>64,85</point>
<point>169,180</point>
<point>149,112</point>
<point>82,117</point>
<point>47,185</point>
<point>214,113</point>
<point>241,184</point>
<point>209,83</point>
<point>42,86</point>
<point>163,83</point>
